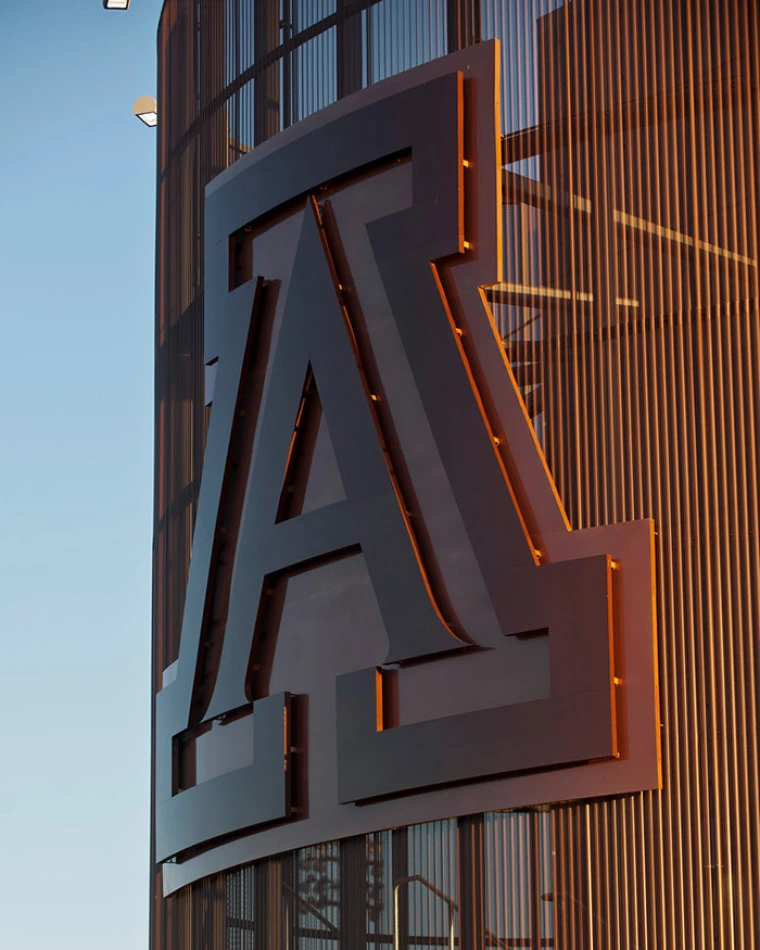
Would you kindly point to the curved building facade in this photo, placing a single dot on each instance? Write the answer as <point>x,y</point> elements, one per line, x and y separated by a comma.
<point>456,409</point>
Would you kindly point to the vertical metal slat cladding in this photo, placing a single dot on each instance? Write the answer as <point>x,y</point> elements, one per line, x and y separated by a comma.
<point>629,313</point>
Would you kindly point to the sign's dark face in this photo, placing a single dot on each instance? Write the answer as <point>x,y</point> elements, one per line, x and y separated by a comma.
<point>385,606</point>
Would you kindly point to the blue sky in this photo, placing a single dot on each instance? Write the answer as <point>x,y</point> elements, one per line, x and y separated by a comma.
<point>77,196</point>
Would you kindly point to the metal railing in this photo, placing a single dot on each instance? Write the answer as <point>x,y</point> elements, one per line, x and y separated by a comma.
<point>492,940</point>
<point>419,879</point>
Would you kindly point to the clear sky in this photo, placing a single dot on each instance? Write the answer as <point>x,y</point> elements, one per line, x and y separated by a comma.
<point>77,194</point>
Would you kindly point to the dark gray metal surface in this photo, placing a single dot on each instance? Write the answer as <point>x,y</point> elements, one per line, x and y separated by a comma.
<point>257,794</point>
<point>576,723</point>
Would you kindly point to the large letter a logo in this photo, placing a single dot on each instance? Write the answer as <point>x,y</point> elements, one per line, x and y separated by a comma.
<point>315,339</point>
<point>372,208</point>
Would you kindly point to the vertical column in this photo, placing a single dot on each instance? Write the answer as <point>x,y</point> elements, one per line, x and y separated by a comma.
<point>353,892</point>
<point>602,161</point>
<point>537,853</point>
<point>274,916</point>
<point>560,265</point>
<point>463,22</point>
<point>286,92</point>
<point>266,90</point>
<point>471,882</point>
<point>215,134</point>
<point>209,914</point>
<point>349,50</point>
<point>400,868</point>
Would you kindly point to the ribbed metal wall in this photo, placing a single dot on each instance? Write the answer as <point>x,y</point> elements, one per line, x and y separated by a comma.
<point>630,314</point>
<point>392,889</point>
<point>631,162</point>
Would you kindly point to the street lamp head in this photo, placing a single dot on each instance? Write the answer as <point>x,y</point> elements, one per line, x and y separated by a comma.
<point>115,4</point>
<point>146,110</point>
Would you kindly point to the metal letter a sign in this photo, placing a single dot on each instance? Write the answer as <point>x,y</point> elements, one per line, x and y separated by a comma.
<point>358,351</point>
